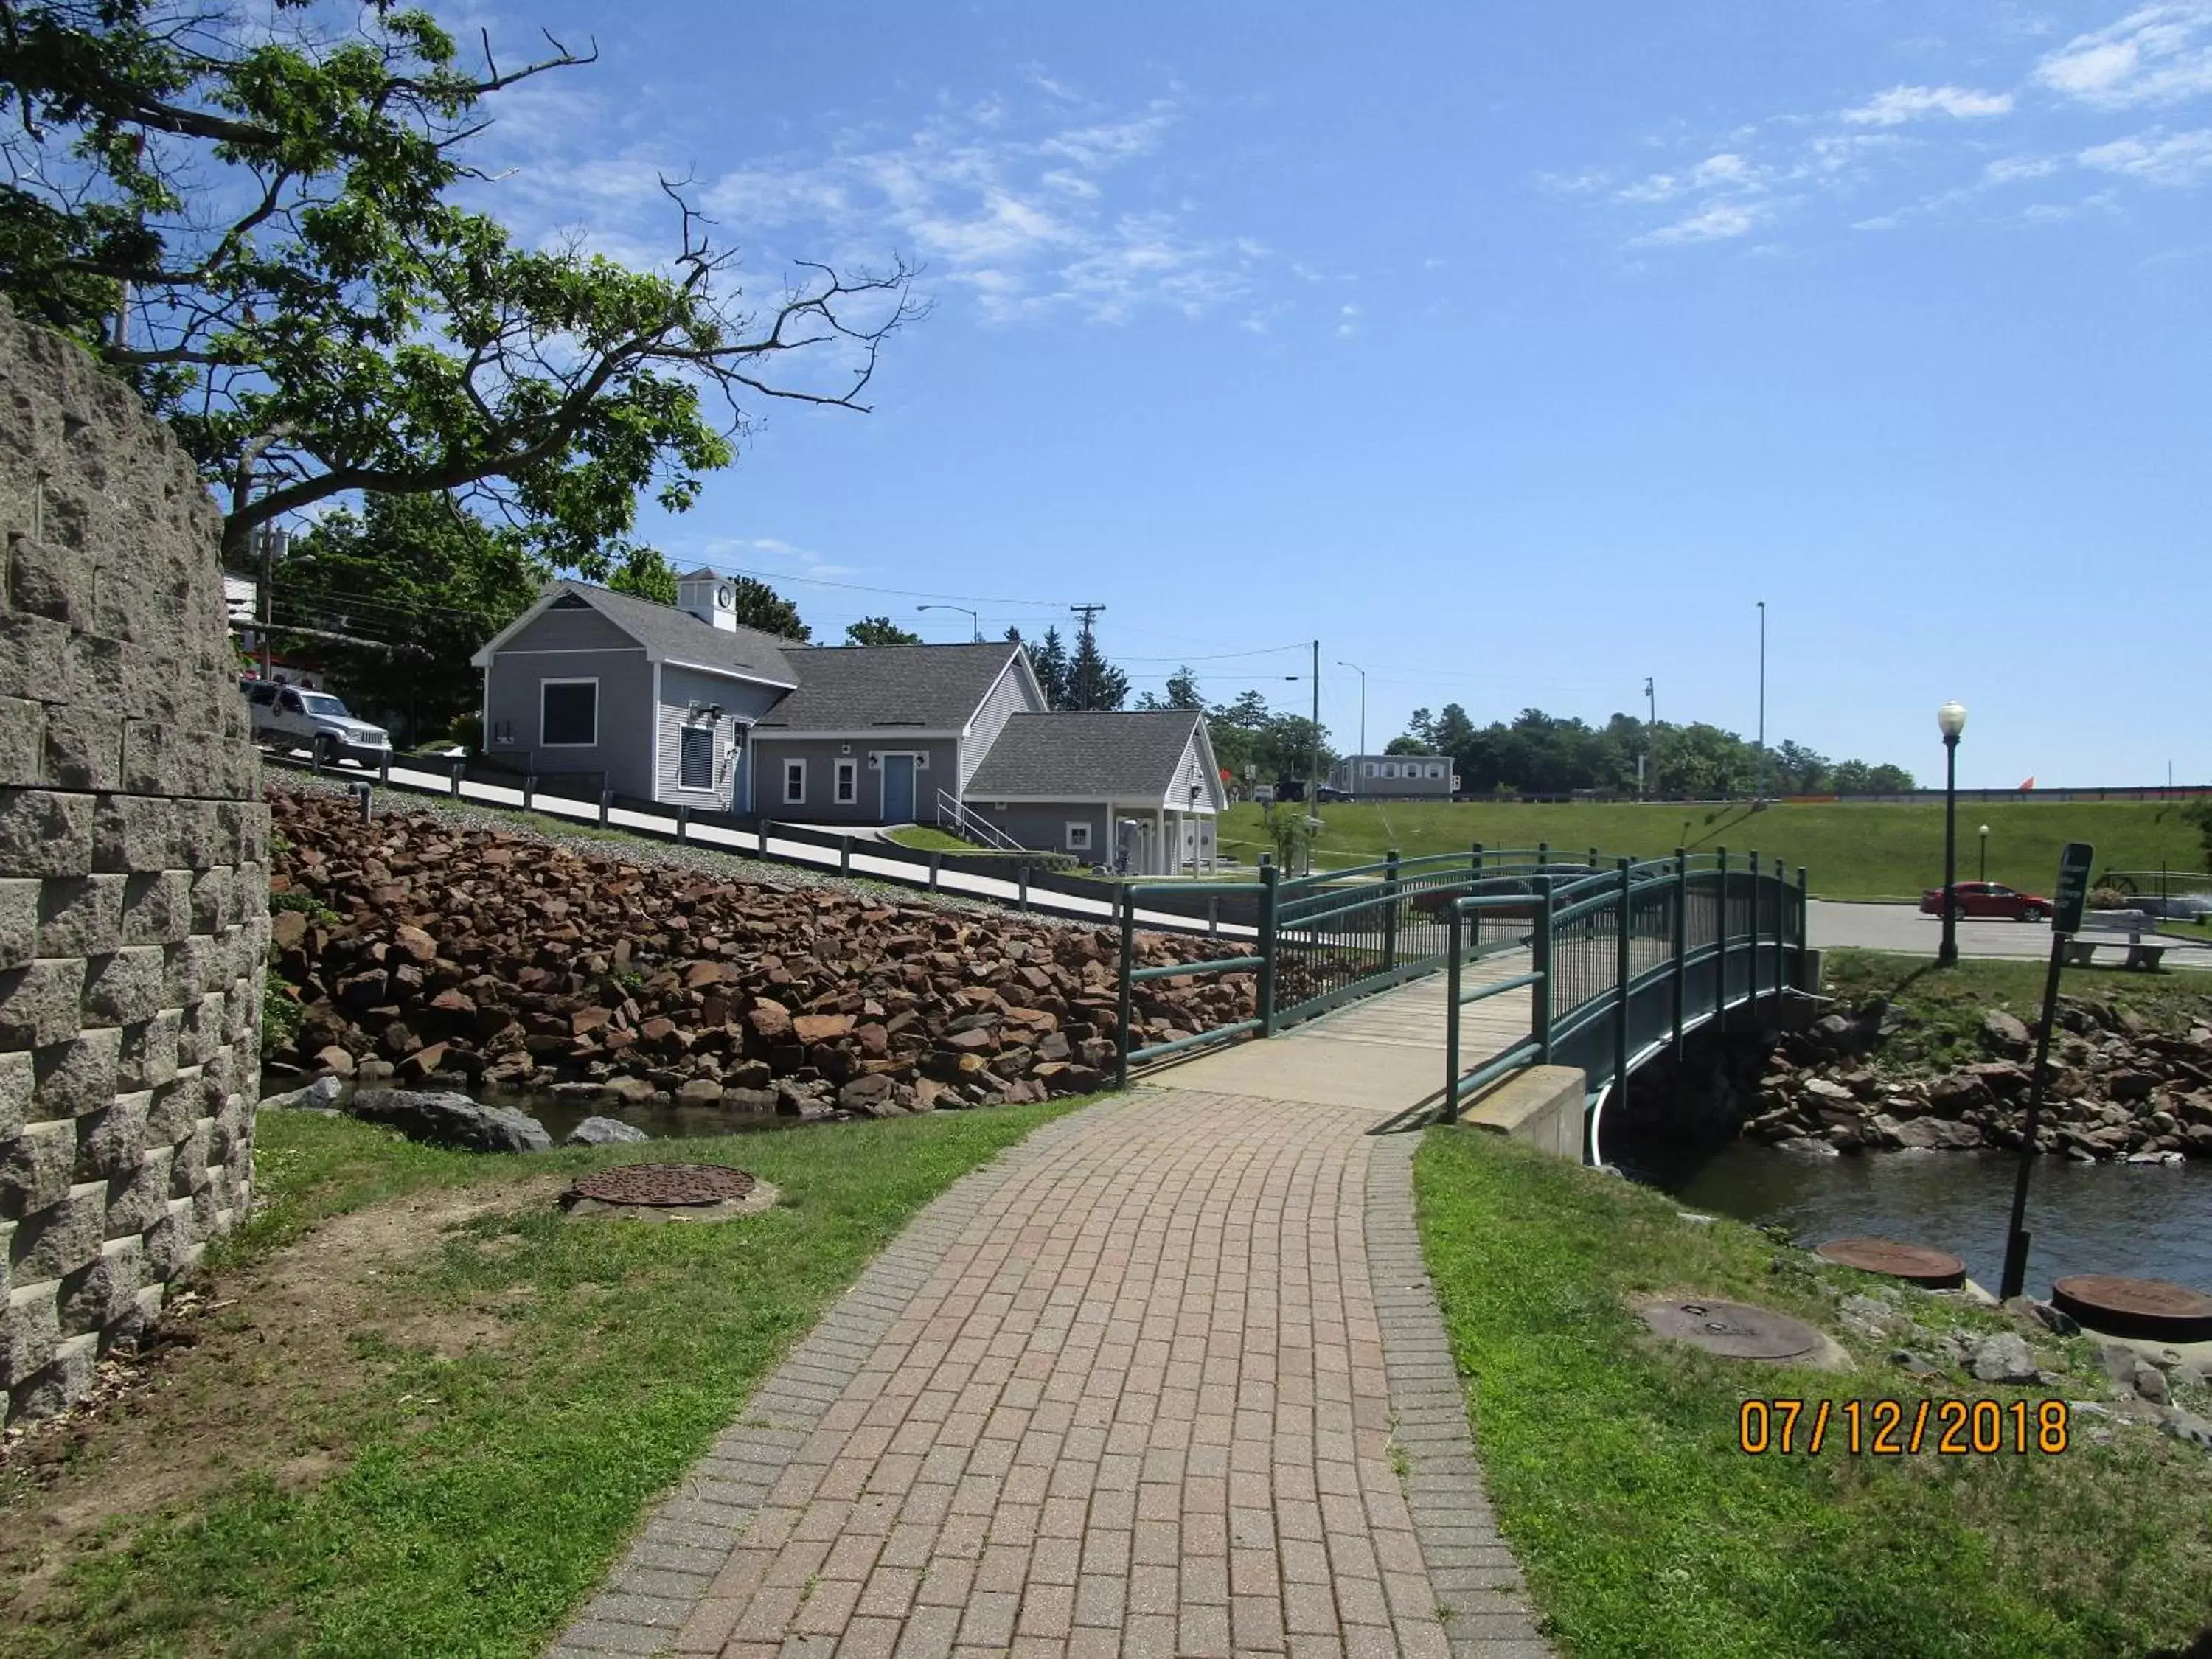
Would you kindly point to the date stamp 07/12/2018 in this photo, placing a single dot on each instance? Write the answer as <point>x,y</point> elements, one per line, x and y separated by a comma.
<point>1904,1428</point>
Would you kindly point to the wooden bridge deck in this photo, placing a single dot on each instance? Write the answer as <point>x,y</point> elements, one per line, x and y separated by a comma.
<point>1386,1052</point>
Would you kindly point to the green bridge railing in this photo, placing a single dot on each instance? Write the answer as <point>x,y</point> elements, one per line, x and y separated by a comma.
<point>1624,955</point>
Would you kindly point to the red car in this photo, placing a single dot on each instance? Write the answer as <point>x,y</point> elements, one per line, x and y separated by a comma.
<point>1988,898</point>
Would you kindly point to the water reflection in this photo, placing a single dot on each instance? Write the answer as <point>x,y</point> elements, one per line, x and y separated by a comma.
<point>2145,1221</point>
<point>660,1123</point>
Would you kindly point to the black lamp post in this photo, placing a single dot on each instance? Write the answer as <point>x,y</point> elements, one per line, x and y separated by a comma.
<point>1986,853</point>
<point>1951,719</point>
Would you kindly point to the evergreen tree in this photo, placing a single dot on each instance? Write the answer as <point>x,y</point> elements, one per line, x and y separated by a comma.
<point>1092,682</point>
<point>1049,659</point>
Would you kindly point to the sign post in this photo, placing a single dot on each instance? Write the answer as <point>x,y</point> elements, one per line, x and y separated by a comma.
<point>2074,864</point>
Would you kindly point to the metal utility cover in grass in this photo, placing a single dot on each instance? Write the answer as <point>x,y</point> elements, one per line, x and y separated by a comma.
<point>1917,1264</point>
<point>669,1192</point>
<point>1738,1330</point>
<point>2136,1307</point>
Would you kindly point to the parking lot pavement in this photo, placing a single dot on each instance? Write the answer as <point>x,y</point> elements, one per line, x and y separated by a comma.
<point>1901,927</point>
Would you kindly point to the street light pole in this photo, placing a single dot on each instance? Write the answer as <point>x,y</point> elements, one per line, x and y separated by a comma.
<point>1313,764</point>
<point>975,621</point>
<point>1362,672</point>
<point>1650,738</point>
<point>1984,876</point>
<point>1951,720</point>
<point>1761,796</point>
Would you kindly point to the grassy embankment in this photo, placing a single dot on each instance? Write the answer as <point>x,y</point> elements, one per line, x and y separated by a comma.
<point>1615,1468</point>
<point>1865,851</point>
<point>435,1442</point>
<point>1937,1014</point>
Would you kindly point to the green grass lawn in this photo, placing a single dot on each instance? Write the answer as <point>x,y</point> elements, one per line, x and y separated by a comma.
<point>1615,1466</point>
<point>1938,1011</point>
<point>454,1468</point>
<point>927,838</point>
<point>1868,852</point>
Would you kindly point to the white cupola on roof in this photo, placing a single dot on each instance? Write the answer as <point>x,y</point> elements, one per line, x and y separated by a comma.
<point>711,597</point>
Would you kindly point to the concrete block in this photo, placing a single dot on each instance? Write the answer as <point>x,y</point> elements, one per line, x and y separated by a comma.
<point>22,742</point>
<point>172,1109</point>
<point>126,986</point>
<point>93,675</point>
<point>19,922</point>
<point>80,915</point>
<point>42,1002</point>
<point>60,1239</point>
<point>148,1056</point>
<point>214,898</point>
<point>135,832</point>
<point>76,1077</point>
<point>1543,1105</point>
<point>138,1200</point>
<point>63,1377</point>
<point>188,1174</point>
<point>36,1163</point>
<point>108,1141</point>
<point>84,746</point>
<point>30,1330</point>
<point>33,654</point>
<point>157,907</point>
<point>103,1291</point>
<point>43,833</point>
<point>46,577</point>
<point>170,1240</point>
<point>18,1078</point>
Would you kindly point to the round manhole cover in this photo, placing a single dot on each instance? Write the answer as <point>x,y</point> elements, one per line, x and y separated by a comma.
<point>1914,1263</point>
<point>1735,1330</point>
<point>2136,1307</point>
<point>665,1185</point>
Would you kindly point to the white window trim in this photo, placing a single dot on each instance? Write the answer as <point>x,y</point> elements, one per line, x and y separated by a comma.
<point>592,680</point>
<point>1078,835</point>
<point>845,789</point>
<point>1370,769</point>
<point>713,755</point>
<point>790,798</point>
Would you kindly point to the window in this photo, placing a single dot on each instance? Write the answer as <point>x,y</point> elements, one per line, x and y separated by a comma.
<point>1435,771</point>
<point>1079,838</point>
<point>695,765</point>
<point>568,713</point>
<point>1370,769</point>
<point>848,783</point>
<point>794,782</point>
<point>1389,768</point>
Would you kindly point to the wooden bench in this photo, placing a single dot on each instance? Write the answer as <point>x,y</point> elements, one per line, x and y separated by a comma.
<point>2082,949</point>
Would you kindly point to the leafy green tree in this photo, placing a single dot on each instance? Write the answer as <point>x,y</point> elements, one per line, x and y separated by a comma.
<point>1182,692</point>
<point>756,605</point>
<point>248,216</point>
<point>648,575</point>
<point>878,630</point>
<point>1408,745</point>
<point>2198,814</point>
<point>414,586</point>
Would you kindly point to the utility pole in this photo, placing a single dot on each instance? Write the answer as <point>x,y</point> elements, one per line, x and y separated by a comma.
<point>1761,796</point>
<point>267,535</point>
<point>1313,763</point>
<point>1650,738</point>
<point>1362,672</point>
<point>1081,696</point>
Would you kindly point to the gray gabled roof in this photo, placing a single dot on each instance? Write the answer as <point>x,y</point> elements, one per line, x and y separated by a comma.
<point>858,688</point>
<point>670,634</point>
<point>1125,755</point>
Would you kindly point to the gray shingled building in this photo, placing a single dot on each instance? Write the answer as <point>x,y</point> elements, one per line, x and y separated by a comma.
<point>681,705</point>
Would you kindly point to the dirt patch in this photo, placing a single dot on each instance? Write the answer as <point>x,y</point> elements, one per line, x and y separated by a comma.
<point>250,1379</point>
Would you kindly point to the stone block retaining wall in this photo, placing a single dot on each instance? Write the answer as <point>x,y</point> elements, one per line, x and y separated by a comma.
<point>133,873</point>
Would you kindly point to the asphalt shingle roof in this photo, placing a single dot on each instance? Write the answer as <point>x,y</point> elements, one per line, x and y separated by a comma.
<point>856,688</point>
<point>1125,755</point>
<point>670,632</point>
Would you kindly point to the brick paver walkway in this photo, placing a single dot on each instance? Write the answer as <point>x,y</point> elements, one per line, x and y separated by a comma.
<point>1130,1390</point>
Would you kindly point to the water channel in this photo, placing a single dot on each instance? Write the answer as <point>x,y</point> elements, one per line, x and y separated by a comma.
<point>2144,1221</point>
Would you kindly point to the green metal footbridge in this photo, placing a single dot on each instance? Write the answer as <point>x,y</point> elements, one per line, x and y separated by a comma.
<point>1588,961</point>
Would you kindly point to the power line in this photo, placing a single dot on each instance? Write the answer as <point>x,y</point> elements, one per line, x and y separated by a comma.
<point>863,587</point>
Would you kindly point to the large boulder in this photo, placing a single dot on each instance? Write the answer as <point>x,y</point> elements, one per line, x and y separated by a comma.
<point>605,1131</point>
<point>443,1119</point>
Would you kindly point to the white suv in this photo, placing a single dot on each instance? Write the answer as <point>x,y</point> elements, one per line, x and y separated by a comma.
<point>286,717</point>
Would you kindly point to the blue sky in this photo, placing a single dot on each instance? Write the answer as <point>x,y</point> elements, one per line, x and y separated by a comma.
<point>1512,351</point>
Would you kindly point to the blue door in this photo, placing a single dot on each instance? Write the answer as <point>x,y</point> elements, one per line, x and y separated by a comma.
<point>899,789</point>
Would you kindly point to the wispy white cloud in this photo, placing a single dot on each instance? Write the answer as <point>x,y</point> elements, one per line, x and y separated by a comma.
<point>1718,221</point>
<point>2157,158</point>
<point>1347,323</point>
<point>1902,103</point>
<point>2158,54</point>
